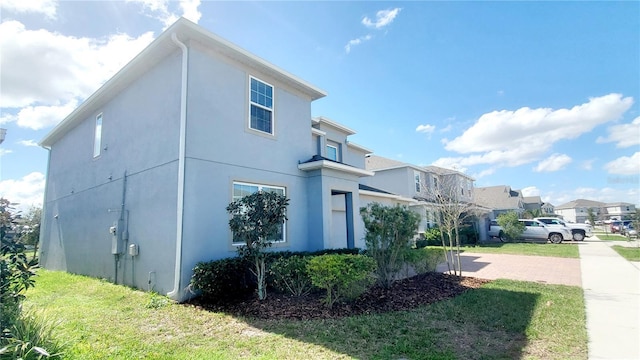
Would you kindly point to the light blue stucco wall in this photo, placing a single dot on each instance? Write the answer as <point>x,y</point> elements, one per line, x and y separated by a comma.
<point>221,149</point>
<point>84,194</point>
<point>398,181</point>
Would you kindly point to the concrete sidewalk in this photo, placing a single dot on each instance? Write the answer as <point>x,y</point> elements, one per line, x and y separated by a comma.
<point>611,287</point>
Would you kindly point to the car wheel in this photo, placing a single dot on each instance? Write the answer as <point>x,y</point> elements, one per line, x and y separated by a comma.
<point>555,238</point>
<point>502,237</point>
<point>578,236</point>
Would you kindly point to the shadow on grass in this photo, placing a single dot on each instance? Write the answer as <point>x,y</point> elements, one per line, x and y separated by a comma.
<point>489,322</point>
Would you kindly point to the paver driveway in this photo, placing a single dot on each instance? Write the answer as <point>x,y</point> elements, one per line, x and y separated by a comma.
<point>542,269</point>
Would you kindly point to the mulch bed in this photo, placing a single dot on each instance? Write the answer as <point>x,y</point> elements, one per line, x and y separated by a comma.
<point>404,294</point>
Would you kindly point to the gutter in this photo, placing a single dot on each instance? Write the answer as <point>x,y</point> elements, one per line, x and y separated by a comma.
<point>175,293</point>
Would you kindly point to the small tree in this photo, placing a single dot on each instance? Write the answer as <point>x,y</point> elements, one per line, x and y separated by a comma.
<point>510,225</point>
<point>256,220</point>
<point>388,236</point>
<point>591,216</point>
<point>30,234</point>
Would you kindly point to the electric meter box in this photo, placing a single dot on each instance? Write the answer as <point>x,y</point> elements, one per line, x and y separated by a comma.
<point>133,250</point>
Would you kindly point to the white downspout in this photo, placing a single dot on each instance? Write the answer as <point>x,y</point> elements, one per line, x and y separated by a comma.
<point>175,293</point>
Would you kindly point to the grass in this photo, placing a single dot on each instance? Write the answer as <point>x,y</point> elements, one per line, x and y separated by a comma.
<point>502,320</point>
<point>629,253</point>
<point>610,237</point>
<point>556,250</point>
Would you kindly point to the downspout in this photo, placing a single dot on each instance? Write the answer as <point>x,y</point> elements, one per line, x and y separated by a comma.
<point>175,293</point>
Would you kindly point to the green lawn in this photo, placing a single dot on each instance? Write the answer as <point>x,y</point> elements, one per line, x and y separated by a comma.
<point>502,320</point>
<point>610,237</point>
<point>557,250</point>
<point>629,253</point>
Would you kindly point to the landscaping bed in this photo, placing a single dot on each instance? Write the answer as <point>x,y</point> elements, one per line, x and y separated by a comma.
<point>405,294</point>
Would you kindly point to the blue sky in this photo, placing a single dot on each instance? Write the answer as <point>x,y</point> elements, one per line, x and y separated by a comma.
<point>541,96</point>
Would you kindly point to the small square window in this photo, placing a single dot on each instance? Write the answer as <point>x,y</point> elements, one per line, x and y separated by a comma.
<point>332,152</point>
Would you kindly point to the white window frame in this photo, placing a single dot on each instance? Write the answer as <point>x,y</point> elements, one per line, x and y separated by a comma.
<point>258,105</point>
<point>97,136</point>
<point>260,187</point>
<point>416,178</point>
<point>337,158</point>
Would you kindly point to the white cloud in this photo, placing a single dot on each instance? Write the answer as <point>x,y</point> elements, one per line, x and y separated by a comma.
<point>49,68</point>
<point>446,128</point>
<point>40,117</point>
<point>159,10</point>
<point>4,151</point>
<point>427,129</point>
<point>624,135</point>
<point>357,41</point>
<point>625,165</point>
<point>512,138</point>
<point>28,143</point>
<point>554,162</point>
<point>27,191</point>
<point>45,7</point>
<point>530,191</point>
<point>383,18</point>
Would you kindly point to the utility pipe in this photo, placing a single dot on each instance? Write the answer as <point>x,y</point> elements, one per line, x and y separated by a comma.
<point>175,293</point>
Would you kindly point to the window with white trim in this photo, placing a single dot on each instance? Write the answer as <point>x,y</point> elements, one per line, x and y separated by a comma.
<point>242,189</point>
<point>332,152</point>
<point>416,176</point>
<point>97,136</point>
<point>261,106</point>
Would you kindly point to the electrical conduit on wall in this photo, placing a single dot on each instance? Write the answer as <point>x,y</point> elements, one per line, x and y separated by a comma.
<point>175,293</point>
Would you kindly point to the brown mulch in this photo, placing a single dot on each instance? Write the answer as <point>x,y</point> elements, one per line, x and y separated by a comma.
<point>404,294</point>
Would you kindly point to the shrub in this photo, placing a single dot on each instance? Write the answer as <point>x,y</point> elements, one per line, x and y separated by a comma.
<point>423,260</point>
<point>222,280</point>
<point>510,224</point>
<point>32,338</point>
<point>289,274</point>
<point>342,276</point>
<point>431,237</point>
<point>389,233</point>
<point>256,220</point>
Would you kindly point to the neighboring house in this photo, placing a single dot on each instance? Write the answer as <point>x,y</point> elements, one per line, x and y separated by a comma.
<point>532,203</point>
<point>548,208</point>
<point>620,210</point>
<point>501,199</point>
<point>140,174</point>
<point>578,210</point>
<point>421,184</point>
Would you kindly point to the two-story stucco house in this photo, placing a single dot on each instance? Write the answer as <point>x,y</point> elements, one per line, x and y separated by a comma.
<point>422,184</point>
<point>140,174</point>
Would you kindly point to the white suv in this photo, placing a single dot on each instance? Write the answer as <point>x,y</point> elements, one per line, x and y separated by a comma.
<point>534,230</point>
<point>578,231</point>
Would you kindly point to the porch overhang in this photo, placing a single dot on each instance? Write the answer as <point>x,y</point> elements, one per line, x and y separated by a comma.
<point>332,165</point>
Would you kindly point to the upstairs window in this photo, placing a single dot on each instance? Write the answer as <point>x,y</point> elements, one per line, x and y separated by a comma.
<point>416,176</point>
<point>261,96</point>
<point>332,152</point>
<point>241,190</point>
<point>97,137</point>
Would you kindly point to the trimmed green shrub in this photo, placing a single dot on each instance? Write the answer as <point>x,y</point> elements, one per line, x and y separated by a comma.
<point>390,231</point>
<point>289,274</point>
<point>342,276</point>
<point>222,280</point>
<point>423,260</point>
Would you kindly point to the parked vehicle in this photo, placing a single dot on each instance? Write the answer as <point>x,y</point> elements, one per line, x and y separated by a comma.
<point>618,226</point>
<point>534,230</point>
<point>578,231</point>
<point>629,231</point>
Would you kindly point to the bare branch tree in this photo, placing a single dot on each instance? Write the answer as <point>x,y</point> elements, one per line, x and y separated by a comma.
<point>450,193</point>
